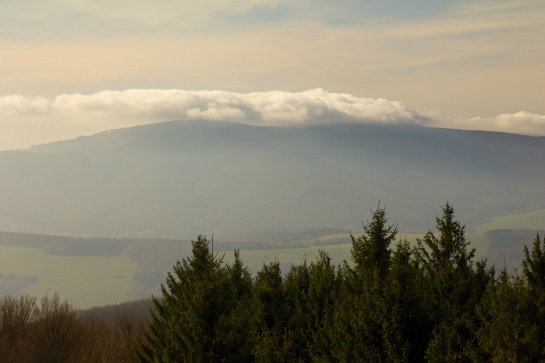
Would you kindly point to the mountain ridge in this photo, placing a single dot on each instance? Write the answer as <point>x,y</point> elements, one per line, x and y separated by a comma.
<point>180,178</point>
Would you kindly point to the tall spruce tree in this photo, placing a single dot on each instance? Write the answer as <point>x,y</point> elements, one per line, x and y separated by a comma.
<point>447,263</point>
<point>183,327</point>
<point>533,268</point>
<point>406,323</point>
<point>322,295</point>
<point>509,331</point>
<point>234,325</point>
<point>296,285</point>
<point>361,313</point>
<point>344,336</point>
<point>272,338</point>
<point>371,251</point>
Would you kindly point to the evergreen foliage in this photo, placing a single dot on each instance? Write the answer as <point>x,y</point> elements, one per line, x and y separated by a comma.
<point>406,323</point>
<point>447,267</point>
<point>533,267</point>
<point>509,331</point>
<point>185,325</point>
<point>394,303</point>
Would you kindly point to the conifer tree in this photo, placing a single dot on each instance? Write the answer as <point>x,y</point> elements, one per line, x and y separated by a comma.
<point>447,266</point>
<point>533,268</point>
<point>322,295</point>
<point>296,285</point>
<point>361,312</point>
<point>343,333</point>
<point>233,332</point>
<point>405,326</point>
<point>183,326</point>
<point>509,329</point>
<point>272,337</point>
<point>371,251</point>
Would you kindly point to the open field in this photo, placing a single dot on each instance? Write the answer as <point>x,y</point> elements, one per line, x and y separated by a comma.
<point>534,219</point>
<point>98,272</point>
<point>83,281</point>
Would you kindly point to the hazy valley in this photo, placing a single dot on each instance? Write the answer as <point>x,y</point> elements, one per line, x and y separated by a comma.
<point>117,209</point>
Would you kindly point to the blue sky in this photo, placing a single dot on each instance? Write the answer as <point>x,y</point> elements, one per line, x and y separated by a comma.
<point>78,67</point>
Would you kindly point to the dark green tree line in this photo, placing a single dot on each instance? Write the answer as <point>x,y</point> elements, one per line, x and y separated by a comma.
<point>394,302</point>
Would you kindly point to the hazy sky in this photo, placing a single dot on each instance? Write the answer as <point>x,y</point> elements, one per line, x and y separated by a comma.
<point>72,67</point>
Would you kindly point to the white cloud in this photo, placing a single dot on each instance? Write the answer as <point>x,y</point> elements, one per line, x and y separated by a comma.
<point>520,123</point>
<point>28,121</point>
<point>261,108</point>
<point>17,104</point>
<point>215,112</point>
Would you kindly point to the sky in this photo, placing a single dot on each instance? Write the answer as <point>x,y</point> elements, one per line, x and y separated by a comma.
<point>75,67</point>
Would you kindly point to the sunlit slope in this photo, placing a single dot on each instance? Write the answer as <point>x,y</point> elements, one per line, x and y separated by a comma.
<point>178,179</point>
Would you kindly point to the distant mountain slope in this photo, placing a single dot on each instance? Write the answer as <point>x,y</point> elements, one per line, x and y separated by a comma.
<point>178,179</point>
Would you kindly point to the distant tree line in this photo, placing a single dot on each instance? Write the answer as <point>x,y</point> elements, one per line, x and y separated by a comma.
<point>394,303</point>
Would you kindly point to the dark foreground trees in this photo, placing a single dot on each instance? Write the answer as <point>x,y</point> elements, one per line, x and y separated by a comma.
<point>203,313</point>
<point>49,330</point>
<point>393,303</point>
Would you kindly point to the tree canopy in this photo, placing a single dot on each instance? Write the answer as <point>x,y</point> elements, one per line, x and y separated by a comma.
<point>394,302</point>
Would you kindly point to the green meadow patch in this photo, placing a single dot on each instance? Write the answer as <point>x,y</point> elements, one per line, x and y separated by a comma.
<point>534,219</point>
<point>85,281</point>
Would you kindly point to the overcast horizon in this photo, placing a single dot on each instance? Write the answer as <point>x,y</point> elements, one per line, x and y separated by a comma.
<point>78,68</point>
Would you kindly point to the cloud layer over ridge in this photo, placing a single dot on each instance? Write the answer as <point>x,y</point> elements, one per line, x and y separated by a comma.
<point>34,120</point>
<point>274,107</point>
<point>71,115</point>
